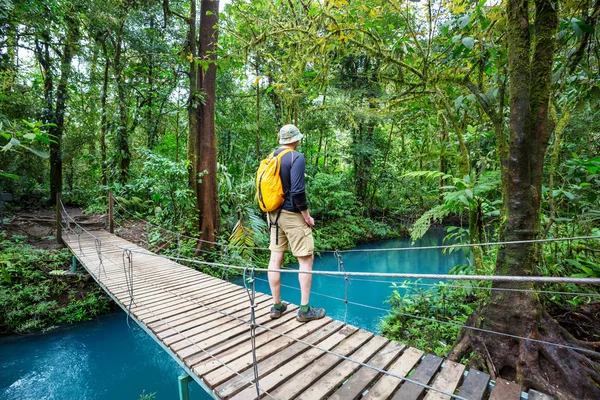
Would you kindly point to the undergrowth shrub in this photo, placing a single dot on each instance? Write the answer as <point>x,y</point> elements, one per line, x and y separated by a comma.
<point>33,297</point>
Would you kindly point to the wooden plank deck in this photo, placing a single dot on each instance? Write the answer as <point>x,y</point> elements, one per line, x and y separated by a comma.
<point>201,322</point>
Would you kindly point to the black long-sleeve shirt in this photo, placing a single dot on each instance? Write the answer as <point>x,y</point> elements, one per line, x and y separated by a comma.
<point>291,172</point>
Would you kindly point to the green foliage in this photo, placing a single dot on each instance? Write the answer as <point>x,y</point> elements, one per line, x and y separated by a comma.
<point>33,298</point>
<point>348,232</point>
<point>457,197</point>
<point>147,396</point>
<point>159,193</point>
<point>331,196</point>
<point>441,303</point>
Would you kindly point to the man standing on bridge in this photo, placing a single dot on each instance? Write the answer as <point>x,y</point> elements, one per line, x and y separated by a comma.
<point>291,227</point>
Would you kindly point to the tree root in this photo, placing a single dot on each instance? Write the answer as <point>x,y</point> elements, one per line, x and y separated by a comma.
<point>562,372</point>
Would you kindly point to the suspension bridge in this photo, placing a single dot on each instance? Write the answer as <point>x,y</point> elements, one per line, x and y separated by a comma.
<point>223,338</point>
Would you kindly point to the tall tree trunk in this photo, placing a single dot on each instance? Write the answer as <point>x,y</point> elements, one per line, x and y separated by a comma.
<point>59,111</point>
<point>42,53</point>
<point>206,141</point>
<point>151,124</point>
<point>103,118</point>
<point>258,155</point>
<point>562,372</point>
<point>55,113</point>
<point>193,101</point>
<point>122,136</point>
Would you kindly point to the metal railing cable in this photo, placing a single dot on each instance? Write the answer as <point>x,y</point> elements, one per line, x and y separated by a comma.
<point>345,277</point>
<point>128,270</point>
<point>295,339</point>
<point>597,281</point>
<point>492,278</point>
<point>437,247</point>
<point>435,320</point>
<point>424,276</point>
<point>192,342</point>
<point>405,284</point>
<point>292,338</point>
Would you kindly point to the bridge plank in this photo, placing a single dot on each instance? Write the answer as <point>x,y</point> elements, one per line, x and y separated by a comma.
<point>475,385</point>
<point>322,365</point>
<point>535,395</point>
<point>237,346</point>
<point>172,301</point>
<point>190,315</point>
<point>238,383</point>
<point>272,380</point>
<point>270,349</point>
<point>505,390</point>
<point>325,385</point>
<point>358,382</point>
<point>154,295</point>
<point>220,330</point>
<point>204,343</point>
<point>205,316</point>
<point>386,386</point>
<point>219,325</point>
<point>447,380</point>
<point>422,374</point>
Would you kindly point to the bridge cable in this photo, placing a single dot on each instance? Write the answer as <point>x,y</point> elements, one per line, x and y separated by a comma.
<point>251,295</point>
<point>513,278</point>
<point>128,269</point>
<point>310,345</point>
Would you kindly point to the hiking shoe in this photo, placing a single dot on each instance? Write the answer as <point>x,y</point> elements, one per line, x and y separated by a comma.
<point>311,314</point>
<point>275,313</point>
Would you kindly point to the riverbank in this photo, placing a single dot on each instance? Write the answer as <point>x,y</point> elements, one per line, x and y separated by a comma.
<point>37,293</point>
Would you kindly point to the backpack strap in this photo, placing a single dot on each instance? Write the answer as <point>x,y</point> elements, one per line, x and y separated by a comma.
<point>275,224</point>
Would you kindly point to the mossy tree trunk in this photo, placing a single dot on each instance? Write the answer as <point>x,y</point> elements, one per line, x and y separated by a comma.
<point>562,372</point>
<point>206,141</point>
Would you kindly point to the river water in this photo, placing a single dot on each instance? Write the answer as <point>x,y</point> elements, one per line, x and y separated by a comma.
<point>105,359</point>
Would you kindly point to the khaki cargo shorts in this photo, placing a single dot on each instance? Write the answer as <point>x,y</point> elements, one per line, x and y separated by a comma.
<point>294,233</point>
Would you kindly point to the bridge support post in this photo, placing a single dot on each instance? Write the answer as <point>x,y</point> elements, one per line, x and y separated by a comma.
<point>59,239</point>
<point>184,390</point>
<point>111,206</point>
<point>73,264</point>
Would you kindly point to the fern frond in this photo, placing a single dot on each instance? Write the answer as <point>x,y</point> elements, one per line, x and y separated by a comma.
<point>421,225</point>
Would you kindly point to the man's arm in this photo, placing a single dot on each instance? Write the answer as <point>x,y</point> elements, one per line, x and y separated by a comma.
<point>298,188</point>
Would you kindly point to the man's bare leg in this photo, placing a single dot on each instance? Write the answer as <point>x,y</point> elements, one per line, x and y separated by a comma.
<point>306,264</point>
<point>275,277</point>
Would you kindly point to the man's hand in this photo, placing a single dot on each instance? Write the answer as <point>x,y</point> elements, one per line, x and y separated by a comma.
<point>310,221</point>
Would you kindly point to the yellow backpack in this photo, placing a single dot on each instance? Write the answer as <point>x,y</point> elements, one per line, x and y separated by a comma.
<point>269,190</point>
